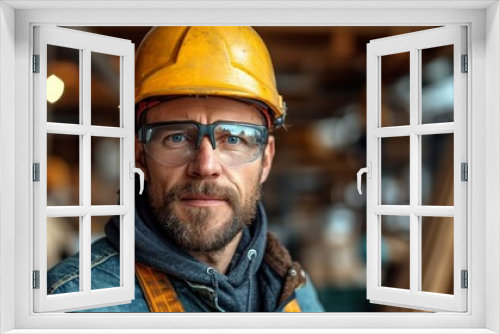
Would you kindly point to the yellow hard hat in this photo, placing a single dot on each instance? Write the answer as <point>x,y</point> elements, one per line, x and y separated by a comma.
<point>220,61</point>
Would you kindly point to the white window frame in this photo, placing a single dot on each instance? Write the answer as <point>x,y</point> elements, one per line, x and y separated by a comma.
<point>414,44</point>
<point>85,44</point>
<point>16,128</point>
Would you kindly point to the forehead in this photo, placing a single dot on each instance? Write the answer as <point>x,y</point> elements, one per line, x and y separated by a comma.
<point>204,110</point>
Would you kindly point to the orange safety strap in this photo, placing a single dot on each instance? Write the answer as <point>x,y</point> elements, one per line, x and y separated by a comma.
<point>292,306</point>
<point>161,296</point>
<point>158,290</point>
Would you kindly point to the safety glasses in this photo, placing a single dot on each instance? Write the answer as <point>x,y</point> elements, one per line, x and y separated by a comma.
<point>176,143</point>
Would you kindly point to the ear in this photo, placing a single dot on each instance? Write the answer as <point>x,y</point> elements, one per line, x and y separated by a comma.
<point>267,159</point>
<point>140,158</point>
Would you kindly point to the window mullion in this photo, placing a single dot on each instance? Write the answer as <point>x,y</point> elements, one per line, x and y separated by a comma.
<point>85,161</point>
<point>414,170</point>
<point>127,254</point>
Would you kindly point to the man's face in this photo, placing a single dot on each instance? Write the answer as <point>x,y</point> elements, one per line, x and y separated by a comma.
<point>203,204</point>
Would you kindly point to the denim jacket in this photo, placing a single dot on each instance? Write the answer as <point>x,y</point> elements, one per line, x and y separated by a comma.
<point>64,278</point>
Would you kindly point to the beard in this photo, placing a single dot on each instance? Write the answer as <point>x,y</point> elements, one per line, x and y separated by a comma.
<point>204,229</point>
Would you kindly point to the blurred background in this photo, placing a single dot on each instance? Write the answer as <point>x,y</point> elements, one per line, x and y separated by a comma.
<point>311,197</point>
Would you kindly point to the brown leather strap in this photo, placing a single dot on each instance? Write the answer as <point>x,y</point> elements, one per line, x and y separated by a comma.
<point>158,290</point>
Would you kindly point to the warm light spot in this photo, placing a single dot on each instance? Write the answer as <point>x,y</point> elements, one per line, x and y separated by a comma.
<point>55,88</point>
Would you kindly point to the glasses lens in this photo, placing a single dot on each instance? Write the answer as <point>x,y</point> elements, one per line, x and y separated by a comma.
<point>175,144</point>
<point>172,144</point>
<point>238,144</point>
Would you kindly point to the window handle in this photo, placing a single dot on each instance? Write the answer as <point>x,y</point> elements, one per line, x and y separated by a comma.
<point>138,171</point>
<point>368,171</point>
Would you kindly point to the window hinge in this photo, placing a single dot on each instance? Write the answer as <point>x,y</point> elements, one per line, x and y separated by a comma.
<point>464,172</point>
<point>36,63</point>
<point>36,172</point>
<point>465,64</point>
<point>36,279</point>
<point>465,279</point>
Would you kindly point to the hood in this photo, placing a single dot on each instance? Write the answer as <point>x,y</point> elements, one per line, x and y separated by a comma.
<point>155,249</point>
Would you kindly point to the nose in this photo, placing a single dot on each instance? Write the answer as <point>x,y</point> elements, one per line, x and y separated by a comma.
<point>205,163</point>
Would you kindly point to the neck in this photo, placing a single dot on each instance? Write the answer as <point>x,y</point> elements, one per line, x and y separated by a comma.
<point>219,260</point>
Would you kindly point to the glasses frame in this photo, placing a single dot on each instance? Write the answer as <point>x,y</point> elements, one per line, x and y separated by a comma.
<point>203,130</point>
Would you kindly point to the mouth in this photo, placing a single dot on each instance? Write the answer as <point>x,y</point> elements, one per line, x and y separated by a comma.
<point>202,200</point>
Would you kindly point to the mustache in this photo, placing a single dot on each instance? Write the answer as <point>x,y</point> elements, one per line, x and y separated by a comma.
<point>204,188</point>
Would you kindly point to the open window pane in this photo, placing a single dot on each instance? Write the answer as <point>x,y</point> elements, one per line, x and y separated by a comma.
<point>395,94</point>
<point>395,253</point>
<point>63,170</point>
<point>437,84</point>
<point>437,254</point>
<point>63,85</point>
<point>395,167</point>
<point>437,170</point>
<point>63,241</point>
<point>105,91</point>
<point>434,153</point>
<point>105,168</point>
<point>63,153</point>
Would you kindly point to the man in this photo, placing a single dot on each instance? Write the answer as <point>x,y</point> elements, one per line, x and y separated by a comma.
<point>206,102</point>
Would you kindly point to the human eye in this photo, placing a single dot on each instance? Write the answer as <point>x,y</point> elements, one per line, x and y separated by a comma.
<point>176,138</point>
<point>234,140</point>
<point>171,138</point>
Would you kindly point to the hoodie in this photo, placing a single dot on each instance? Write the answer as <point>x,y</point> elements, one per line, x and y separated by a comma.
<point>246,287</point>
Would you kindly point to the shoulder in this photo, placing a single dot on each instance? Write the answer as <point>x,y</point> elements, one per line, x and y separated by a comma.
<point>105,273</point>
<point>278,258</point>
<point>105,266</point>
<point>307,297</point>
